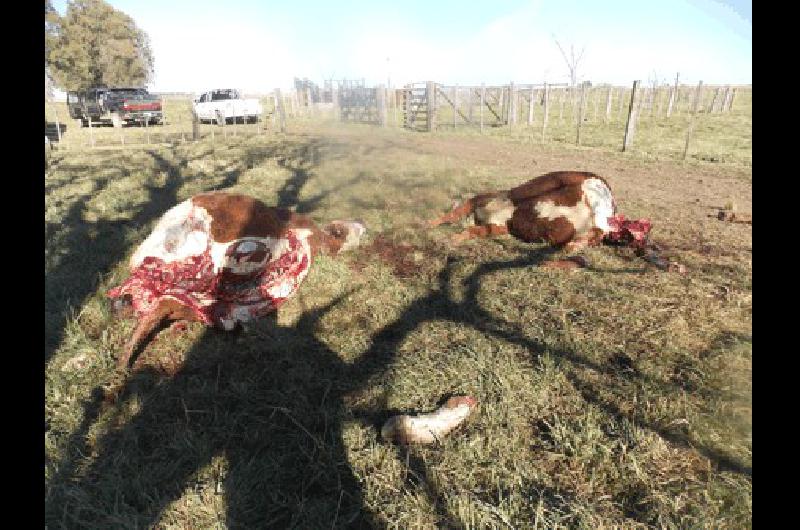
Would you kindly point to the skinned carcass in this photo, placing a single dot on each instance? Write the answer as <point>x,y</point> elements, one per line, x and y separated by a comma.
<point>223,259</point>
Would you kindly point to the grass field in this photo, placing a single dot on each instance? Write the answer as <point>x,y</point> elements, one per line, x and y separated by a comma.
<point>617,396</point>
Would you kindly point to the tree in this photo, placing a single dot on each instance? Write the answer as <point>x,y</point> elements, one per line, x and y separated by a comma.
<point>51,24</point>
<point>51,28</point>
<point>572,61</point>
<point>94,44</point>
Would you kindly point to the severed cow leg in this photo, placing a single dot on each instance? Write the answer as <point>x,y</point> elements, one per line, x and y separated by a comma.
<point>431,427</point>
<point>479,231</point>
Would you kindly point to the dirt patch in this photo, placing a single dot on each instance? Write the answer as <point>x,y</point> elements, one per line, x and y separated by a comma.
<point>698,245</point>
<point>406,260</point>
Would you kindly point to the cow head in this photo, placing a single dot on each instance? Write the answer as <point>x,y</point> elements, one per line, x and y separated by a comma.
<point>347,233</point>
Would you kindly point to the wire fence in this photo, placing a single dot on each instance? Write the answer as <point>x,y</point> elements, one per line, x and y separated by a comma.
<point>711,123</point>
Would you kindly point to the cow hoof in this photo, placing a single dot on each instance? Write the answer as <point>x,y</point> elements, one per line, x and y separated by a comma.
<point>575,246</point>
<point>122,307</point>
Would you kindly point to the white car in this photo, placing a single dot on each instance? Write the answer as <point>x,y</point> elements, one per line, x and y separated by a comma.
<point>228,105</point>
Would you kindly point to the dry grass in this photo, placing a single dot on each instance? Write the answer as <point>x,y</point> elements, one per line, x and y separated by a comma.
<point>617,396</point>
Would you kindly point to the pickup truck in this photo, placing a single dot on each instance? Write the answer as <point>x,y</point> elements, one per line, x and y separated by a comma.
<point>114,105</point>
<point>226,105</point>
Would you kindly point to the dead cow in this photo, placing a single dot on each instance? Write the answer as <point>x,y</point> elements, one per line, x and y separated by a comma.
<point>223,259</point>
<point>573,209</point>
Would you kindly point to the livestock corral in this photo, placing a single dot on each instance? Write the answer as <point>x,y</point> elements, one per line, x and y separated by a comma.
<point>617,395</point>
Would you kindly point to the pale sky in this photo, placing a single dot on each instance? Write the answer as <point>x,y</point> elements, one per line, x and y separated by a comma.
<point>257,46</point>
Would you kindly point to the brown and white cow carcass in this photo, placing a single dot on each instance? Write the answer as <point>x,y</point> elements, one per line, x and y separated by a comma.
<point>223,259</point>
<point>571,209</point>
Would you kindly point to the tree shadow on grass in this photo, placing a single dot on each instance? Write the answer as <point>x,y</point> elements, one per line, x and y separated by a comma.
<point>271,403</point>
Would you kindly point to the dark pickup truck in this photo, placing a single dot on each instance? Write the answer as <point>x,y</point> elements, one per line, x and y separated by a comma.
<point>114,105</point>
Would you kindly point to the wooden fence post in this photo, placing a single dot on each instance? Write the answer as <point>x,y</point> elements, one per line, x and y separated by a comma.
<point>470,105</point>
<point>58,125</point>
<point>546,109</point>
<point>730,102</point>
<point>530,107</point>
<point>274,110</point>
<point>621,101</point>
<point>195,134</point>
<point>147,129</point>
<point>380,96</point>
<point>658,104</point>
<point>455,106</point>
<point>675,96</point>
<point>671,101</point>
<point>335,101</point>
<point>501,109</point>
<point>281,110</point>
<point>653,94</point>
<point>630,126</point>
<point>725,103</point>
<point>482,102</point>
<point>608,104</point>
<point>580,113</point>
<point>91,134</point>
<point>693,118</point>
<point>575,102</point>
<point>640,100</point>
<point>407,107</point>
<point>714,100</point>
<point>512,104</point>
<point>393,92</point>
<point>561,97</point>
<point>430,94</point>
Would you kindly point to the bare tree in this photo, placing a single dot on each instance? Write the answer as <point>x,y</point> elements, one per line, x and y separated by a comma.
<point>572,61</point>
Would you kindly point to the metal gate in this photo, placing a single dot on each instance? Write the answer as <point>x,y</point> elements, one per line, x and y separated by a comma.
<point>357,103</point>
<point>416,107</point>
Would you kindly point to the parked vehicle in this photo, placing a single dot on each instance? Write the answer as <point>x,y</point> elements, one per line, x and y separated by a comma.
<point>116,106</point>
<point>226,105</point>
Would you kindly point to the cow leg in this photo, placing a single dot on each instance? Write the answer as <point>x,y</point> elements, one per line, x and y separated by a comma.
<point>144,328</point>
<point>479,231</point>
<point>590,239</point>
<point>576,245</point>
<point>149,323</point>
<point>458,212</point>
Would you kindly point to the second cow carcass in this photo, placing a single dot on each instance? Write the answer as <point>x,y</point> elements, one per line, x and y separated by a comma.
<point>564,208</point>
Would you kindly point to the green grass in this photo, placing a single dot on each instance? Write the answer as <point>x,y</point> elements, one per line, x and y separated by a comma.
<point>618,396</point>
<point>720,137</point>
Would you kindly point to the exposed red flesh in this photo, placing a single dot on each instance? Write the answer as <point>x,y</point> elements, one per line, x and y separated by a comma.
<point>210,295</point>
